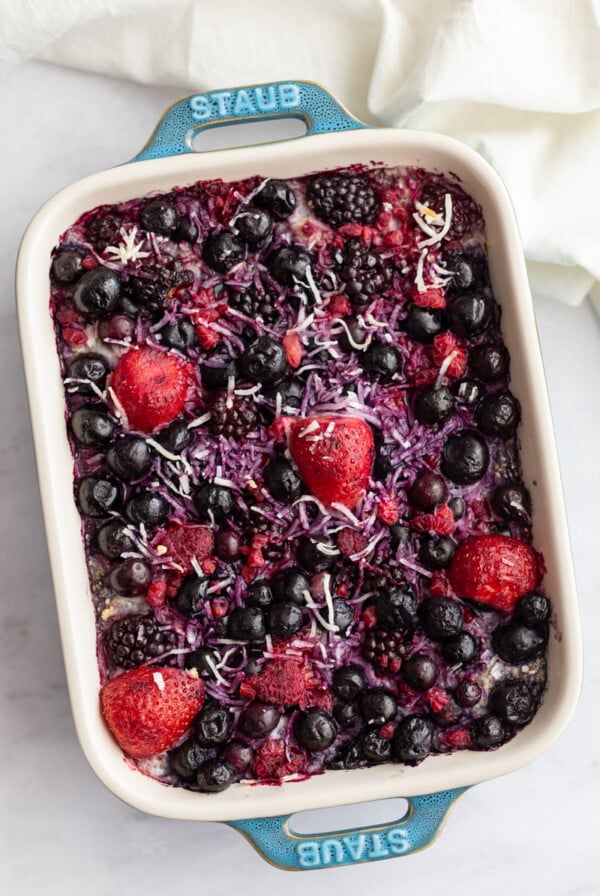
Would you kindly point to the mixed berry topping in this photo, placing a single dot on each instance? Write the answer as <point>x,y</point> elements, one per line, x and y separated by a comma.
<point>307,533</point>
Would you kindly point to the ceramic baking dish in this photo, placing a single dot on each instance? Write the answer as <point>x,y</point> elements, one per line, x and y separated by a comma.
<point>333,139</point>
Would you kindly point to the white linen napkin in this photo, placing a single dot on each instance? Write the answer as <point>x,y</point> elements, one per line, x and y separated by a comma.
<point>518,81</point>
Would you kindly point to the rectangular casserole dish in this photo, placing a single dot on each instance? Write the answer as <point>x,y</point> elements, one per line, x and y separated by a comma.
<point>334,139</point>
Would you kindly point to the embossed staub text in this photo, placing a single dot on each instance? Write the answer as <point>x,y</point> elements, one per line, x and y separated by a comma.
<point>245,101</point>
<point>352,848</point>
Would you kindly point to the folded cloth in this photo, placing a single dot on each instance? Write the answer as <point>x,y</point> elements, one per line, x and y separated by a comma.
<point>519,82</point>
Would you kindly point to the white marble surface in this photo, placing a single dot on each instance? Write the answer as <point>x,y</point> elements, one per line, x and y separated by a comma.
<point>61,832</point>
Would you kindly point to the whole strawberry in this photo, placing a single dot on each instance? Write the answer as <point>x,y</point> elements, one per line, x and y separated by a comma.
<point>494,570</point>
<point>150,386</point>
<point>334,456</point>
<point>149,709</point>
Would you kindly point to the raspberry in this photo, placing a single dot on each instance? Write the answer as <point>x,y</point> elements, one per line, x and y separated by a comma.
<point>339,199</point>
<point>157,594</point>
<point>384,649</point>
<point>136,639</point>
<point>273,761</point>
<point>444,346</point>
<point>232,417</point>
<point>185,543</point>
<point>281,682</point>
<point>351,542</point>
<point>387,511</point>
<point>442,521</point>
<point>429,298</point>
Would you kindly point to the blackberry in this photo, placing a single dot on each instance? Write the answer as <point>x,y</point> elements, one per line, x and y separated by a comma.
<point>464,210</point>
<point>384,649</point>
<point>152,289</point>
<point>137,639</point>
<point>364,272</point>
<point>103,231</point>
<point>340,199</point>
<point>234,417</point>
<point>255,304</point>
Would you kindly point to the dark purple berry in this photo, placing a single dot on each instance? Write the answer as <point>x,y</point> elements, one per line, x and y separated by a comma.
<point>470,272</point>
<point>285,619</point>
<point>314,729</point>
<point>97,496</point>
<point>498,414</point>
<point>413,740</point>
<point>356,331</point>
<point>159,216</point>
<point>467,391</point>
<point>343,614</point>
<point>346,714</point>
<point>222,251</point>
<point>263,362</point>
<point>88,366</point>
<point>129,457</point>
<point>282,481</point>
<point>310,557</point>
<point>67,266</point>
<point>253,225</point>
<point>214,503</point>
<point>375,748</point>
<point>97,292</point>
<point>186,231</point>
<point>458,507</point>
<point>422,324</point>
<point>186,759</point>
<point>396,608</point>
<point>289,264</point>
<point>175,437</point>
<point>434,406</point>
<point>348,681</point>
<point>149,508</point>
<point>92,426</point>
<point>533,610</point>
<point>441,617</point>
<point>419,671</point>
<point>428,491</point>
<point>238,754</point>
<point>378,706</point>
<point>114,540</point>
<point>179,334</point>
<point>278,198</point>
<point>217,377</point>
<point>191,595</point>
<point>465,457</point>
<point>487,732</point>
<point>246,624</point>
<point>205,659</point>
<point>138,639</point>
<point>512,701</point>
<point>215,775</point>
<point>436,552</point>
<point>212,725</point>
<point>133,576</point>
<point>488,362</point>
<point>341,199</point>
<point>117,326</point>
<point>467,693</point>
<point>290,584</point>
<point>232,417</point>
<point>516,643</point>
<point>382,361</point>
<point>259,595</point>
<point>227,545</point>
<point>471,314</point>
<point>512,503</point>
<point>462,650</point>
<point>258,719</point>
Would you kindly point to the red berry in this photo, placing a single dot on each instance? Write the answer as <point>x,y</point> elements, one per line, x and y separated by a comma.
<point>157,594</point>
<point>150,386</point>
<point>351,542</point>
<point>445,345</point>
<point>149,709</point>
<point>292,346</point>
<point>387,511</point>
<point>494,570</point>
<point>280,682</point>
<point>429,298</point>
<point>442,521</point>
<point>185,543</point>
<point>334,456</point>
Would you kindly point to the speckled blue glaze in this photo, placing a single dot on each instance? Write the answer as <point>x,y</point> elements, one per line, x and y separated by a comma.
<point>279,844</point>
<point>279,99</point>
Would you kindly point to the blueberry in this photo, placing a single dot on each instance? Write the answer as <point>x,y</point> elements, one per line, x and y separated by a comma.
<point>533,610</point>
<point>282,481</point>
<point>288,264</point>
<point>400,533</point>
<point>346,714</point>
<point>212,725</point>
<point>471,313</point>
<point>516,643</point>
<point>467,693</point>
<point>310,557</point>
<point>259,595</point>
<point>358,333</point>
<point>436,552</point>
<point>441,617</point>
<point>348,756</point>
<point>133,576</point>
<point>428,491</point>
<point>67,266</point>
<point>217,377</point>
<point>383,361</point>
<point>113,540</point>
<point>343,614</point>
<point>88,366</point>
<point>186,231</point>
<point>461,650</point>
<point>378,706</point>
<point>291,393</point>
<point>383,464</point>
<point>179,334</point>
<point>214,503</point>
<point>434,406</point>
<point>487,731</point>
<point>465,457</point>
<point>159,216</point>
<point>290,584</point>
<point>190,596</point>
<point>92,426</point>
<point>129,457</point>
<point>253,225</point>
<point>498,414</point>
<point>186,759</point>
<point>227,545</point>
<point>488,362</point>
<point>373,747</point>
<point>467,391</point>
<point>278,198</point>
<point>348,681</point>
<point>285,619</point>
<point>419,671</point>
<point>117,326</point>
<point>422,324</point>
<point>512,701</point>
<point>149,508</point>
<point>97,292</point>
<point>413,739</point>
<point>263,362</point>
<point>396,608</point>
<point>315,730</point>
<point>215,775</point>
<point>470,272</point>
<point>175,437</point>
<point>512,503</point>
<point>97,496</point>
<point>258,719</point>
<point>246,624</point>
<point>204,659</point>
<point>457,506</point>
<point>238,754</point>
<point>222,251</point>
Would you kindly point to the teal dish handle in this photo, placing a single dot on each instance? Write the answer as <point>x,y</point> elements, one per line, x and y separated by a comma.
<point>275,840</point>
<point>304,100</point>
